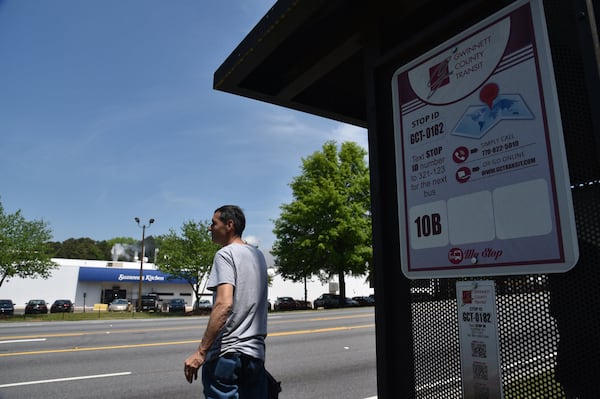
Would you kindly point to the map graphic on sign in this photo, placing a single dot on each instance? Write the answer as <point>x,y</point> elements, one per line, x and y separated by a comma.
<point>480,119</point>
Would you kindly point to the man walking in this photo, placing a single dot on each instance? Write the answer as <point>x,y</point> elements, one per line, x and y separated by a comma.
<point>232,351</point>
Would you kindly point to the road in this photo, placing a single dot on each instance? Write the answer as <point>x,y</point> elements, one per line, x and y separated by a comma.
<point>316,354</point>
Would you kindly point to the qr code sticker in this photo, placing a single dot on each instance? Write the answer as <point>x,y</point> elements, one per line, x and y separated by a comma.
<point>478,349</point>
<point>480,371</point>
<point>481,391</point>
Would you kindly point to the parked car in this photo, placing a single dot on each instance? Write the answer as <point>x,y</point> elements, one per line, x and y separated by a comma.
<point>62,306</point>
<point>351,302</point>
<point>7,307</point>
<point>36,306</point>
<point>327,301</point>
<point>364,300</point>
<point>303,305</point>
<point>150,303</point>
<point>176,305</point>
<point>285,303</point>
<point>119,305</point>
<point>203,304</point>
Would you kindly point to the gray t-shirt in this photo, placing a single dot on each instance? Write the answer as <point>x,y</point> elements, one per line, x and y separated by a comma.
<point>244,267</point>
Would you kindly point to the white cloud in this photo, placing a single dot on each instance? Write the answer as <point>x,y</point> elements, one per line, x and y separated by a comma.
<point>344,132</point>
<point>252,240</point>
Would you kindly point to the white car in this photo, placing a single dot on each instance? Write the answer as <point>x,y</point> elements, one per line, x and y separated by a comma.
<point>119,305</point>
<point>204,304</point>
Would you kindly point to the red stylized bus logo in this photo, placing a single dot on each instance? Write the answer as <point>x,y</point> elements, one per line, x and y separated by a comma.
<point>455,256</point>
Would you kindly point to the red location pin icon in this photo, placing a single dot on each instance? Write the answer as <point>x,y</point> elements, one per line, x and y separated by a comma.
<point>488,93</point>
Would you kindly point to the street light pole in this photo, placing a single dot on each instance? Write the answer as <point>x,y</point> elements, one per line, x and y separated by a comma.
<point>137,220</point>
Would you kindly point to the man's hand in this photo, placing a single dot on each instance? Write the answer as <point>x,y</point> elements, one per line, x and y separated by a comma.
<point>191,366</point>
<point>218,317</point>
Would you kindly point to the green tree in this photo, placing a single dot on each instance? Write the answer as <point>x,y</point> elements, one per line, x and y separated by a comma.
<point>80,248</point>
<point>104,249</point>
<point>118,248</point>
<point>54,247</point>
<point>188,256</point>
<point>23,247</point>
<point>326,229</point>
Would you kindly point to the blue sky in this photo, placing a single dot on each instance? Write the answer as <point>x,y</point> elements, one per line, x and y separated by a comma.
<point>107,112</point>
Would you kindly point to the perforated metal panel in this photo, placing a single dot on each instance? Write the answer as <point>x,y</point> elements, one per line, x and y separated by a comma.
<point>548,325</point>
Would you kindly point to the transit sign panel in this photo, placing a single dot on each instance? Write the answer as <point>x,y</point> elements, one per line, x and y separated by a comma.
<point>483,183</point>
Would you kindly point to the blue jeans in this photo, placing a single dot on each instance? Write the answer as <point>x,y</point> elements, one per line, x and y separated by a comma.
<point>234,376</point>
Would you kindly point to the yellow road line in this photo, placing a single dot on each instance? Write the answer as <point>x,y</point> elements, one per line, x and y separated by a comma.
<point>99,348</point>
<point>319,330</point>
<point>145,330</point>
<point>104,332</point>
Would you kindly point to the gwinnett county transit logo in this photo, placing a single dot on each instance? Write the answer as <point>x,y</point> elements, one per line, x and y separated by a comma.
<point>439,75</point>
<point>467,297</point>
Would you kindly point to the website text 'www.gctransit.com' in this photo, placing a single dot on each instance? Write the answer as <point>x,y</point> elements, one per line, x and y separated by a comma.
<point>508,166</point>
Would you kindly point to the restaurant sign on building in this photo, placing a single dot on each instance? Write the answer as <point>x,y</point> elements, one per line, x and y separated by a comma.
<point>126,275</point>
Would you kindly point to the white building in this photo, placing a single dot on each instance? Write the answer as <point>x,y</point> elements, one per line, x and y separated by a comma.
<point>89,282</point>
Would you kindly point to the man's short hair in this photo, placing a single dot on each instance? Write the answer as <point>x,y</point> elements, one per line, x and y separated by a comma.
<point>234,213</point>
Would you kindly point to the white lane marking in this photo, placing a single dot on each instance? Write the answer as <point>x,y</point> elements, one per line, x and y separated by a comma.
<point>84,377</point>
<point>22,340</point>
<point>372,397</point>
